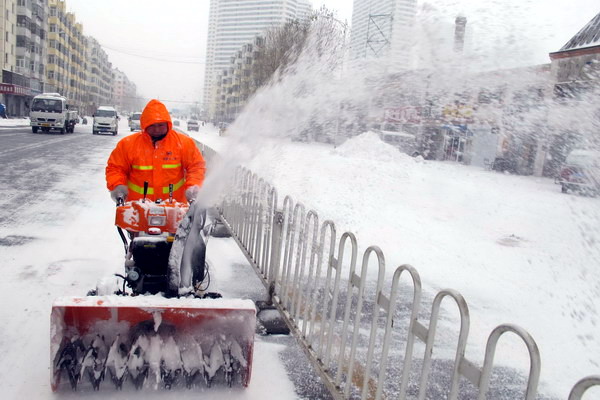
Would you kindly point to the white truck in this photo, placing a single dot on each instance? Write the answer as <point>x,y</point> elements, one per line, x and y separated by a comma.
<point>51,111</point>
<point>106,119</point>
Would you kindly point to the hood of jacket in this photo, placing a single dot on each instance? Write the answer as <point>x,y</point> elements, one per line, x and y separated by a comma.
<point>153,113</point>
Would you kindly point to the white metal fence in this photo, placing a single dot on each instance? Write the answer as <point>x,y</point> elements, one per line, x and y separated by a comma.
<point>361,333</point>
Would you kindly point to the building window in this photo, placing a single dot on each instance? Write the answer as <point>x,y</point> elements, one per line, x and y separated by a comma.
<point>52,27</point>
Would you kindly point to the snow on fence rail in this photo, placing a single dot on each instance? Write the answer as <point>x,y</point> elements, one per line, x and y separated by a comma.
<point>349,326</point>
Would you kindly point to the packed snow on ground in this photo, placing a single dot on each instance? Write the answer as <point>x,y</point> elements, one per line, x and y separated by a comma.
<point>518,249</point>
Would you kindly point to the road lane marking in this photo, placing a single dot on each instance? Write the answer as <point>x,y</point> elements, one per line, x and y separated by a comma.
<point>35,145</point>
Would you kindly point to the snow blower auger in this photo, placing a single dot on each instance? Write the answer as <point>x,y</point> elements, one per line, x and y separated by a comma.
<point>161,329</point>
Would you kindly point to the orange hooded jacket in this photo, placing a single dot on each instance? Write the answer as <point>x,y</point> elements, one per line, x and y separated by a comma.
<point>173,160</point>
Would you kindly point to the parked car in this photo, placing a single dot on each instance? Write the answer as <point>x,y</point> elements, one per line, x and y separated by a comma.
<point>134,121</point>
<point>581,172</point>
<point>192,125</point>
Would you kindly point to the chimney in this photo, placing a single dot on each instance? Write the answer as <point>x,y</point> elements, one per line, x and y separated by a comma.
<point>459,33</point>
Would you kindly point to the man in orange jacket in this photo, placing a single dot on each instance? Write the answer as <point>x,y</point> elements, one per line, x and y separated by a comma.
<point>157,155</point>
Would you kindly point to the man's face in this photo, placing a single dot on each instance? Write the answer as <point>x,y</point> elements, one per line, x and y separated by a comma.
<point>158,130</point>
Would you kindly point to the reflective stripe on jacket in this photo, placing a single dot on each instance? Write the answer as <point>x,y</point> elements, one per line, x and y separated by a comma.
<point>173,160</point>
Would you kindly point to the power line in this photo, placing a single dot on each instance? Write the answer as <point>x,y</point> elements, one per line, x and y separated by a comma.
<point>161,100</point>
<point>170,60</point>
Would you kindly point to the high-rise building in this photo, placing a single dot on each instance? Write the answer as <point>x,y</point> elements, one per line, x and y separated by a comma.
<point>381,30</point>
<point>233,23</point>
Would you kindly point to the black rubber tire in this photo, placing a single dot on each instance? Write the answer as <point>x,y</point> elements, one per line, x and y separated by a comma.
<point>199,262</point>
<point>34,129</point>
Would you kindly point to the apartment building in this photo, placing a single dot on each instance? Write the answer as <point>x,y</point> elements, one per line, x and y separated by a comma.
<point>124,92</point>
<point>100,77</point>
<point>381,30</point>
<point>14,86</point>
<point>66,61</point>
<point>32,28</point>
<point>234,84</point>
<point>234,23</point>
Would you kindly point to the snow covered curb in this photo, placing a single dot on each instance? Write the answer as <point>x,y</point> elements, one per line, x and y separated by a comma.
<point>14,123</point>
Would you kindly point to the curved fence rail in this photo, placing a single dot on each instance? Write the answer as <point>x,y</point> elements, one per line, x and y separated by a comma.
<point>360,332</point>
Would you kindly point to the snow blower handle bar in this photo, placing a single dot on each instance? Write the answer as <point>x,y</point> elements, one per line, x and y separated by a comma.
<point>120,203</point>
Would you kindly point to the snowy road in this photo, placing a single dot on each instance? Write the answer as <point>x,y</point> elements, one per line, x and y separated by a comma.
<point>57,238</point>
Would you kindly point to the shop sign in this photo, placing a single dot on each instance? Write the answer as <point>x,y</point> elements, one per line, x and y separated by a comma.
<point>8,88</point>
<point>403,115</point>
<point>459,112</point>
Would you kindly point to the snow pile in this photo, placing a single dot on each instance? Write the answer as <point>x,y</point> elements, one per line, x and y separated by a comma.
<point>14,122</point>
<point>369,146</point>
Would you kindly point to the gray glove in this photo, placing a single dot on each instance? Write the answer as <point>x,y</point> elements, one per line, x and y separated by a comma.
<point>120,191</point>
<point>191,193</point>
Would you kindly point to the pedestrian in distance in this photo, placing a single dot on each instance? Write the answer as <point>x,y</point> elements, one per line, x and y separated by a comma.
<point>158,155</point>
<point>3,111</point>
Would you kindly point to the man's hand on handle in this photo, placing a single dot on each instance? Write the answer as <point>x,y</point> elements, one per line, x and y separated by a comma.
<point>119,192</point>
<point>191,193</point>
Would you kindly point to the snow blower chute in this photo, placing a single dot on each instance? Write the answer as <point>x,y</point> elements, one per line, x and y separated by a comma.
<point>161,329</point>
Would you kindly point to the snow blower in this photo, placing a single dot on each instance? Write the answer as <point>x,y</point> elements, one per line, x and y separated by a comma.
<point>160,329</point>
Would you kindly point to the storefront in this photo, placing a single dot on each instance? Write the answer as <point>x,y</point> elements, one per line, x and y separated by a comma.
<point>15,94</point>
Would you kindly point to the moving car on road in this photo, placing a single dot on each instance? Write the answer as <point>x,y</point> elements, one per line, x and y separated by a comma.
<point>105,120</point>
<point>192,125</point>
<point>50,111</point>
<point>134,121</point>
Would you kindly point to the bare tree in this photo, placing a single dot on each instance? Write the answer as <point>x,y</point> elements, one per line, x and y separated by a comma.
<point>318,37</point>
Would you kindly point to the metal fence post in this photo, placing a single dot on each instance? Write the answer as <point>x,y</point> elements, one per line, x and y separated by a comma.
<point>276,237</point>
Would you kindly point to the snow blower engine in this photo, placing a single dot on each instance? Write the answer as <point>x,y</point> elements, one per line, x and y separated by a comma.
<point>151,265</point>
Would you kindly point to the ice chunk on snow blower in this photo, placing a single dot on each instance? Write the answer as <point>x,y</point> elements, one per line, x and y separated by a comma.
<point>162,329</point>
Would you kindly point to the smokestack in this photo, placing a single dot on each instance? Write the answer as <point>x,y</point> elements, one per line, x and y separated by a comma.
<point>459,33</point>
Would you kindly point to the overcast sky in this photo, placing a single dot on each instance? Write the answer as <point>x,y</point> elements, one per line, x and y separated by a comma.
<point>161,46</point>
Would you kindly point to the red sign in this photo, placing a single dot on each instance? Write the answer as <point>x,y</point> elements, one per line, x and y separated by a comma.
<point>8,88</point>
